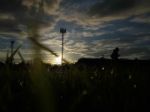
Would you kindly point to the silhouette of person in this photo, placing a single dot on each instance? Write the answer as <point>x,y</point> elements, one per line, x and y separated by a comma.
<point>115,54</point>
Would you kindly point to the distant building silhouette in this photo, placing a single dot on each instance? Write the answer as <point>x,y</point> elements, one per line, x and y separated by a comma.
<point>115,54</point>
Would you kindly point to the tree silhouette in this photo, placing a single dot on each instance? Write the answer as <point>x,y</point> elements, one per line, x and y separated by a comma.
<point>115,54</point>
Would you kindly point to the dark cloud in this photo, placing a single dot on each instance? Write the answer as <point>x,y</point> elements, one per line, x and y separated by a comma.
<point>69,7</point>
<point>7,6</point>
<point>26,12</point>
<point>32,15</point>
<point>135,52</point>
<point>114,7</point>
<point>20,5</point>
<point>8,26</point>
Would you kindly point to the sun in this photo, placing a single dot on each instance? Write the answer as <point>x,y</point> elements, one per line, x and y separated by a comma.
<point>58,60</point>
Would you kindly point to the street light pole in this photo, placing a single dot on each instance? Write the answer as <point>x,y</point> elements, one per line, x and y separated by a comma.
<point>62,31</point>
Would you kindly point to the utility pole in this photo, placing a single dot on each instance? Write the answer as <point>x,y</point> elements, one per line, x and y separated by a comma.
<point>62,31</point>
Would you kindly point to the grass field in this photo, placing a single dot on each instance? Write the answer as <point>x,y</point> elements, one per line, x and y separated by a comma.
<point>108,87</point>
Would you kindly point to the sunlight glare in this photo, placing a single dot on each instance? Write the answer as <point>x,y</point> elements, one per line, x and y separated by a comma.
<point>58,60</point>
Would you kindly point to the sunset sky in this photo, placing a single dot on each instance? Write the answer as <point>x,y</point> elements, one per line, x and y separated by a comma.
<point>94,27</point>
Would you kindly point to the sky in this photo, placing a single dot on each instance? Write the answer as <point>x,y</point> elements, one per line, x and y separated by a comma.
<point>94,28</point>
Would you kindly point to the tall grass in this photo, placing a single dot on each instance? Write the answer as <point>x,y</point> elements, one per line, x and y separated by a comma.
<point>70,88</point>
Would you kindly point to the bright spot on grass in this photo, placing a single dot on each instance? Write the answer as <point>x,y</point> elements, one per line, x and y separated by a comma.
<point>91,77</point>
<point>103,68</point>
<point>134,86</point>
<point>112,72</point>
<point>130,77</point>
<point>84,92</point>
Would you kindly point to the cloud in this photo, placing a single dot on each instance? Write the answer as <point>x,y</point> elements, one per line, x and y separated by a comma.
<point>123,33</point>
<point>80,12</point>
<point>27,12</point>
<point>8,26</point>
<point>108,23</point>
<point>129,50</point>
<point>118,7</point>
<point>143,18</point>
<point>109,7</point>
<point>7,6</point>
<point>97,12</point>
<point>31,15</point>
